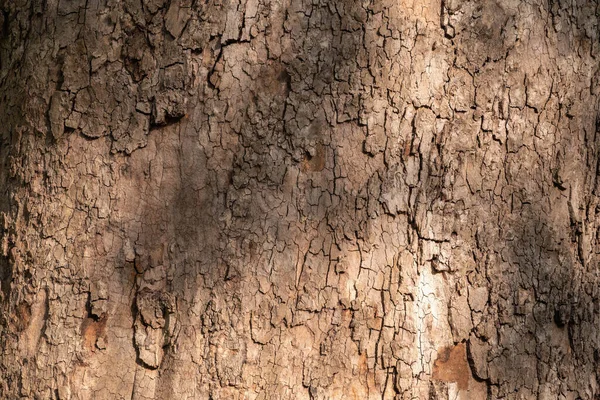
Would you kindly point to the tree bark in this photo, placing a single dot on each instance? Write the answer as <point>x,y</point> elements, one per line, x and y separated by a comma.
<point>256,199</point>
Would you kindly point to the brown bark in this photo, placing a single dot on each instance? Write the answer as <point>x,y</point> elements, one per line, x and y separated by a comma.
<point>254,199</point>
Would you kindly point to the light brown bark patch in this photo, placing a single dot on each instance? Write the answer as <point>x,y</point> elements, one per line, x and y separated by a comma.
<point>315,162</point>
<point>34,319</point>
<point>91,330</point>
<point>452,366</point>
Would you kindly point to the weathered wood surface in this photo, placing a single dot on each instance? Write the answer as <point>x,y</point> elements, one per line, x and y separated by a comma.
<point>321,199</point>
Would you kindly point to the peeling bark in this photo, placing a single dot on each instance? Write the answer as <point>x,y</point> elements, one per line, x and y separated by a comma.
<point>252,199</point>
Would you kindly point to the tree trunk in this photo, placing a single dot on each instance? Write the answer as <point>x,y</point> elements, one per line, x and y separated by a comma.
<point>244,199</point>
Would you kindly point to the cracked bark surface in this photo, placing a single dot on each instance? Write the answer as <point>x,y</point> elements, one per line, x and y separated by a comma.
<point>256,199</point>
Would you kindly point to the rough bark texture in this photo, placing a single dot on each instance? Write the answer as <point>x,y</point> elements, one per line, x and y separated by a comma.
<point>263,199</point>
